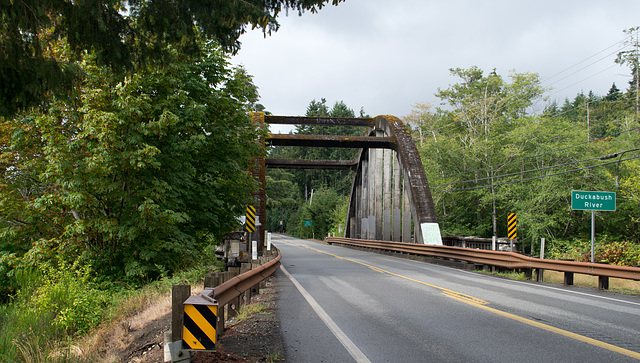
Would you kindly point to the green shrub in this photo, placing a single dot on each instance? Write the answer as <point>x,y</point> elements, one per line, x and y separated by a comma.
<point>619,253</point>
<point>8,284</point>
<point>52,305</point>
<point>613,252</point>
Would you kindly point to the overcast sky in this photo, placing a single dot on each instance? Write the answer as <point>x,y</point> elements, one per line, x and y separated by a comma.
<point>385,56</point>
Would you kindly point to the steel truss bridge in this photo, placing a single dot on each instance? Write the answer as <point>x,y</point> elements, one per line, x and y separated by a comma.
<point>390,198</point>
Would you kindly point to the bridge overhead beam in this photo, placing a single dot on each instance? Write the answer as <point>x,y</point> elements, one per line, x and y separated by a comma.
<point>327,121</point>
<point>390,193</point>
<point>395,194</point>
<point>360,142</point>
<point>311,164</point>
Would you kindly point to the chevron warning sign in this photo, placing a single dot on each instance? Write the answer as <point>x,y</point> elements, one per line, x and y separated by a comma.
<point>250,225</point>
<point>512,223</point>
<point>199,324</point>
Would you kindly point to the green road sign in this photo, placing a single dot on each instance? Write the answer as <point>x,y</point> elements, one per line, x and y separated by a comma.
<point>599,201</point>
<point>308,223</point>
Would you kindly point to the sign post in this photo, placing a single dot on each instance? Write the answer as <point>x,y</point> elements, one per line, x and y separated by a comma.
<point>593,201</point>
<point>308,224</point>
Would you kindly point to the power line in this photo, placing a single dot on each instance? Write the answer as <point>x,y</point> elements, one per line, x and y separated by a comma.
<point>518,173</point>
<point>588,65</point>
<point>582,80</point>
<point>537,155</point>
<point>454,124</point>
<point>602,157</point>
<point>584,60</point>
<point>538,177</point>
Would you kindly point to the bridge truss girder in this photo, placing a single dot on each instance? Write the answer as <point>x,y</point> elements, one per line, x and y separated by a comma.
<point>390,197</point>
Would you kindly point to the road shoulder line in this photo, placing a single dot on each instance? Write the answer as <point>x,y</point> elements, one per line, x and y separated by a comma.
<point>355,352</point>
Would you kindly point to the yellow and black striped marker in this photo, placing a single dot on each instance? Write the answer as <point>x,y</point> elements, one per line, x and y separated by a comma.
<point>512,223</point>
<point>199,324</point>
<point>250,224</point>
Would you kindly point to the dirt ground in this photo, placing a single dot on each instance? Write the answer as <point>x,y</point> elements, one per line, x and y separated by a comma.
<point>256,339</point>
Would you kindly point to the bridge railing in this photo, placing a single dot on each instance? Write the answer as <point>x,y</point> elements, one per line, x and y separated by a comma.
<point>501,244</point>
<point>509,260</point>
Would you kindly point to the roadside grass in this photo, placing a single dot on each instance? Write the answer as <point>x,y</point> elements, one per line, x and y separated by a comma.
<point>273,357</point>
<point>513,275</point>
<point>616,285</point>
<point>248,311</point>
<point>65,319</point>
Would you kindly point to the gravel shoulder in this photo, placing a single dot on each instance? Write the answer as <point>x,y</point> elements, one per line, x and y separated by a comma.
<point>254,339</point>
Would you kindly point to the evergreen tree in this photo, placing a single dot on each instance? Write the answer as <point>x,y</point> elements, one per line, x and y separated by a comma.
<point>613,94</point>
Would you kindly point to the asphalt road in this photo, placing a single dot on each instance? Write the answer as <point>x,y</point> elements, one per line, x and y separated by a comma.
<point>341,305</point>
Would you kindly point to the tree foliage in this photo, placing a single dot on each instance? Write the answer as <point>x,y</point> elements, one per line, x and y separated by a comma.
<point>132,175</point>
<point>487,153</point>
<point>120,34</point>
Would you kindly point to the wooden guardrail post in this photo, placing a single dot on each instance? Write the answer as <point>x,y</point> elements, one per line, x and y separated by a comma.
<point>568,278</point>
<point>179,294</point>
<point>603,282</point>
<point>255,290</point>
<point>234,306</point>
<point>211,281</point>
<point>261,261</point>
<point>244,267</point>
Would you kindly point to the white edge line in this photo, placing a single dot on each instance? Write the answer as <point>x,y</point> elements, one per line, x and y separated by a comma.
<point>337,332</point>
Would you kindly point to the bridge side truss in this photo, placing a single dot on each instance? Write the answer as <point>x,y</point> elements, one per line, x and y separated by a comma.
<point>390,198</point>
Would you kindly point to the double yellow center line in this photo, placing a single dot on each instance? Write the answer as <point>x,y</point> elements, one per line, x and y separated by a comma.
<point>482,304</point>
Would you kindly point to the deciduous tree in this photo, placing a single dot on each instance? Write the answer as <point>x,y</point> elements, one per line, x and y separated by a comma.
<point>131,175</point>
<point>121,34</point>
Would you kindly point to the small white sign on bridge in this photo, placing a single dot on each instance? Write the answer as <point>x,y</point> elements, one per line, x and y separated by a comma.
<point>431,234</point>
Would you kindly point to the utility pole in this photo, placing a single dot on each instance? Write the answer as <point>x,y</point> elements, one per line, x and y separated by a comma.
<point>493,200</point>
<point>588,126</point>
<point>636,62</point>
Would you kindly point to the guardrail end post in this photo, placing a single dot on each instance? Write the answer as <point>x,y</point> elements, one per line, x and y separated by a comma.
<point>179,294</point>
<point>220,322</point>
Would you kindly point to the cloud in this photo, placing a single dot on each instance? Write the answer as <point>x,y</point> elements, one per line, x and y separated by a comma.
<point>386,56</point>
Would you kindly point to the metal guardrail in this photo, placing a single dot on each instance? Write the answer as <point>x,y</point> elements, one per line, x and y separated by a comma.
<point>234,287</point>
<point>509,260</point>
<point>196,321</point>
